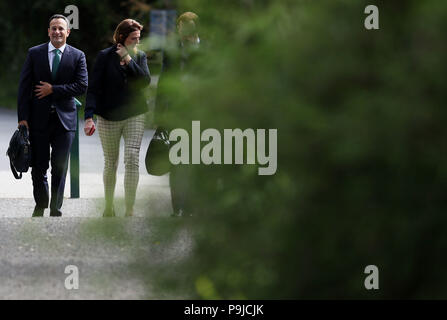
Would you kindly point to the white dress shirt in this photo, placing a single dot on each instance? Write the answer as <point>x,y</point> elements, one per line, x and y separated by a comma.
<point>51,54</point>
<point>51,57</point>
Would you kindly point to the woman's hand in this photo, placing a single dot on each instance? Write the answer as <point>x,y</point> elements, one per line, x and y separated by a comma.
<point>123,53</point>
<point>121,50</point>
<point>89,127</point>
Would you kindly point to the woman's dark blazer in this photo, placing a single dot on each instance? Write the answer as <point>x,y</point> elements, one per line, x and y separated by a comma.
<point>116,93</point>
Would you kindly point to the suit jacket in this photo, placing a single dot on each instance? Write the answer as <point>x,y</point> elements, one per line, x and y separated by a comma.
<point>71,80</point>
<point>176,63</point>
<point>115,92</point>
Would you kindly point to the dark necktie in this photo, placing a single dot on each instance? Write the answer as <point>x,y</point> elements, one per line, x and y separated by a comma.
<point>56,61</point>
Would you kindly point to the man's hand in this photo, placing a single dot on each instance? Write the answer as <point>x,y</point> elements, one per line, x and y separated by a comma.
<point>43,90</point>
<point>23,122</point>
<point>89,127</point>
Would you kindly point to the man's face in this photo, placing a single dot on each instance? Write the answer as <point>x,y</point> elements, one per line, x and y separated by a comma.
<point>58,32</point>
<point>132,40</point>
<point>187,31</point>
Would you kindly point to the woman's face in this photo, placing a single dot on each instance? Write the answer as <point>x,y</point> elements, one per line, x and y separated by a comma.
<point>132,40</point>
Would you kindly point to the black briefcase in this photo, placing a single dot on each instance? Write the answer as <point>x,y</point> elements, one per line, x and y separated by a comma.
<point>157,155</point>
<point>19,152</point>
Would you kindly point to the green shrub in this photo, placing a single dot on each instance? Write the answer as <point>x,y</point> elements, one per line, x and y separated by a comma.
<point>360,176</point>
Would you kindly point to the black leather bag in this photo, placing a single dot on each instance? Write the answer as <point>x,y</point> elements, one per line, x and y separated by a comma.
<point>19,152</point>
<point>157,155</point>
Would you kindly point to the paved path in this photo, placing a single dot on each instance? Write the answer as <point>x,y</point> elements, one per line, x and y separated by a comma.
<point>114,256</point>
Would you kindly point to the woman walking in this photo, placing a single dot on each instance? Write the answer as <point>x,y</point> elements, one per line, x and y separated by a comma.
<point>116,96</point>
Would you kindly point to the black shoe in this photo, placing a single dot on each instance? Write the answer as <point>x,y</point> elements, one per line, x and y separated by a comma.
<point>109,213</point>
<point>177,213</point>
<point>38,212</point>
<point>55,213</point>
<point>181,214</point>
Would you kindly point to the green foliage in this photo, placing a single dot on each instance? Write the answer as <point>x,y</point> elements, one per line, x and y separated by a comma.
<point>360,175</point>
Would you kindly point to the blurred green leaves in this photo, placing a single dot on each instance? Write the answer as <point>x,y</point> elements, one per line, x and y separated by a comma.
<point>360,149</point>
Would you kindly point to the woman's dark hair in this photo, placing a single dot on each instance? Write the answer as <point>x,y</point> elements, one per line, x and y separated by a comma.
<point>125,28</point>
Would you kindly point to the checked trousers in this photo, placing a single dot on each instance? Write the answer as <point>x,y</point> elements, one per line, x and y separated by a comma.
<point>110,133</point>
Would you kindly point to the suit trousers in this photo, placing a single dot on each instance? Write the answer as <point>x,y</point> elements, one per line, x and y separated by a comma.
<point>179,181</point>
<point>59,140</point>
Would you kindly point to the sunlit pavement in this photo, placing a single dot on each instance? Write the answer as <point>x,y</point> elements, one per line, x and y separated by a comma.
<point>111,254</point>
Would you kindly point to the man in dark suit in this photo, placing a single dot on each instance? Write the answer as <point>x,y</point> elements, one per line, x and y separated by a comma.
<point>178,62</point>
<point>53,74</point>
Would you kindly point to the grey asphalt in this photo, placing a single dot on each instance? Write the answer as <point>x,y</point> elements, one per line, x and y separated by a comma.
<point>114,256</point>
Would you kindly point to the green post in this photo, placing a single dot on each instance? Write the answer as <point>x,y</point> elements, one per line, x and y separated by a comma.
<point>74,159</point>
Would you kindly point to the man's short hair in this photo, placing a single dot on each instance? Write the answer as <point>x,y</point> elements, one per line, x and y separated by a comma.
<point>59,16</point>
<point>187,17</point>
